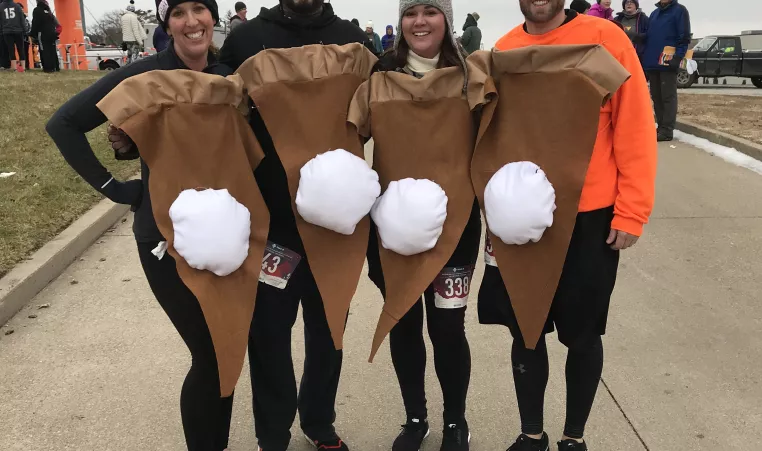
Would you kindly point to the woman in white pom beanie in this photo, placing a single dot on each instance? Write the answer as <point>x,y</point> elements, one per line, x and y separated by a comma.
<point>425,42</point>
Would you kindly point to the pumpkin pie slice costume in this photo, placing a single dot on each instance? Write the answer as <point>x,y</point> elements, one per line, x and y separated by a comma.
<point>422,129</point>
<point>192,135</point>
<point>303,96</point>
<point>539,104</point>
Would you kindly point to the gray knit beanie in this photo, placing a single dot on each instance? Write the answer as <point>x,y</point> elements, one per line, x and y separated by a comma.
<point>443,5</point>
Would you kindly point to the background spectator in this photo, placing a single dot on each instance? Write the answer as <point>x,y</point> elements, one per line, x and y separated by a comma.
<point>602,9</point>
<point>133,33</point>
<point>387,41</point>
<point>581,6</point>
<point>374,37</point>
<point>240,15</point>
<point>44,30</point>
<point>160,39</point>
<point>472,35</point>
<point>667,41</point>
<point>12,24</point>
<point>635,23</point>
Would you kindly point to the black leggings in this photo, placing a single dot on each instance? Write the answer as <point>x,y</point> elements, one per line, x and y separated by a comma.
<point>452,358</point>
<point>205,414</point>
<point>584,365</point>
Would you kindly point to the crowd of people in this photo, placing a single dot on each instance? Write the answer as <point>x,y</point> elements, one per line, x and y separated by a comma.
<point>607,215</point>
<point>667,27</point>
<point>22,40</point>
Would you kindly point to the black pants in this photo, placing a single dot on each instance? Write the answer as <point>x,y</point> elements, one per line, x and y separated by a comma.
<point>664,96</point>
<point>272,369</point>
<point>49,55</point>
<point>579,313</point>
<point>452,358</point>
<point>205,414</point>
<point>5,60</point>
<point>452,354</point>
<point>15,45</point>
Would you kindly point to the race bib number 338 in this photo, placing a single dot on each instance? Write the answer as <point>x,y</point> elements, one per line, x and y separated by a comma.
<point>452,287</point>
<point>278,264</point>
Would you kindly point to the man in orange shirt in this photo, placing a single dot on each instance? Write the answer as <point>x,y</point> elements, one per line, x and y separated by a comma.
<point>617,199</point>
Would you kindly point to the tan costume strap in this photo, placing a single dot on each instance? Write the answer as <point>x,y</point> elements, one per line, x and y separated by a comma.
<point>308,63</point>
<point>592,60</point>
<point>169,87</point>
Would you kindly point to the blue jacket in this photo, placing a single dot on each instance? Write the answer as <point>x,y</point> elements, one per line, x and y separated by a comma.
<point>668,26</point>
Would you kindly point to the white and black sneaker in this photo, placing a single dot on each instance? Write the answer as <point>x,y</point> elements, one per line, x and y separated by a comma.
<point>525,443</point>
<point>572,445</point>
<point>456,437</point>
<point>412,435</point>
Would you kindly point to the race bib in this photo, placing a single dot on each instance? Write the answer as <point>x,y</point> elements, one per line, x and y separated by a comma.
<point>452,286</point>
<point>278,264</point>
<point>489,254</point>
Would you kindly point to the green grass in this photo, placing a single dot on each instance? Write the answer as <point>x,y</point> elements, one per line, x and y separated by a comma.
<point>45,195</point>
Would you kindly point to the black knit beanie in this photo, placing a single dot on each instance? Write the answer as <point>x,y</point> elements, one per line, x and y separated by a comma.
<point>579,6</point>
<point>164,8</point>
<point>624,2</point>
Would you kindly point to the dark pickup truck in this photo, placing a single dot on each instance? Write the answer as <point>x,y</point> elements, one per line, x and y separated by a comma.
<point>724,56</point>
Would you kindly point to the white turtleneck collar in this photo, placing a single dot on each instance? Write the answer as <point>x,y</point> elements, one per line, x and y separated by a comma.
<point>419,64</point>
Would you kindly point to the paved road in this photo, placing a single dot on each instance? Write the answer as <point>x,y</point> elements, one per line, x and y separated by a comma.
<point>101,368</point>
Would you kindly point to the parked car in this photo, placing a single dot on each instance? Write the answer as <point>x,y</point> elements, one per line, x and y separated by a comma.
<point>726,56</point>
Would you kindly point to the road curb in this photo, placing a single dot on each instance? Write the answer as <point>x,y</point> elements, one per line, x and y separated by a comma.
<point>742,145</point>
<point>28,278</point>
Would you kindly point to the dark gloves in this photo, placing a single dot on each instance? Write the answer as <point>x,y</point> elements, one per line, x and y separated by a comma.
<point>128,193</point>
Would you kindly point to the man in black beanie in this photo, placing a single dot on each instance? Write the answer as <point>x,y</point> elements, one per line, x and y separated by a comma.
<point>291,23</point>
<point>240,16</point>
<point>581,6</point>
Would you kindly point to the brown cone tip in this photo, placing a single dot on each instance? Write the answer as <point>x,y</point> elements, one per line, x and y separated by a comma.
<point>385,325</point>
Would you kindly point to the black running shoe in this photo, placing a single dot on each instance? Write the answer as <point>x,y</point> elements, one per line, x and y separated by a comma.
<point>571,445</point>
<point>524,443</point>
<point>455,437</point>
<point>663,137</point>
<point>412,435</point>
<point>334,444</point>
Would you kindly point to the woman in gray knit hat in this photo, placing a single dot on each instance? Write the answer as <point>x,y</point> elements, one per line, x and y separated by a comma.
<point>425,42</point>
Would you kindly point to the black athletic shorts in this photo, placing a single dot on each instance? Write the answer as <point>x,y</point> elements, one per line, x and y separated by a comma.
<point>15,43</point>
<point>581,305</point>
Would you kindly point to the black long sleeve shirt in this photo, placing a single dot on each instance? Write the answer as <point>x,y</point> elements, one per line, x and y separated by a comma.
<point>80,115</point>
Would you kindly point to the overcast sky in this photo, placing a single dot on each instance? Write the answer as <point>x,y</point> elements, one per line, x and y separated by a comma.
<point>497,16</point>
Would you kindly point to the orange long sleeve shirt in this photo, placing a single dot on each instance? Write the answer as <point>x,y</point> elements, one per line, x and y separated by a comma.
<point>622,169</point>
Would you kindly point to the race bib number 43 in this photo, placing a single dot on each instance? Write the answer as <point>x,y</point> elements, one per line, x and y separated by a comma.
<point>452,286</point>
<point>278,264</point>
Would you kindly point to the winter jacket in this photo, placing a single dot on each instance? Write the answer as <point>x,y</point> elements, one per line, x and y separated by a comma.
<point>472,35</point>
<point>161,39</point>
<point>668,25</point>
<point>12,18</point>
<point>43,23</point>
<point>636,33</point>
<point>378,47</point>
<point>467,251</point>
<point>273,30</point>
<point>235,22</point>
<point>80,115</point>
<point>387,41</point>
<point>598,10</point>
<point>132,29</point>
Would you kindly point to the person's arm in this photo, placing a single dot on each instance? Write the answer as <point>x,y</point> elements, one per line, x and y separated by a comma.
<point>683,33</point>
<point>80,115</point>
<point>635,148</point>
<point>465,40</point>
